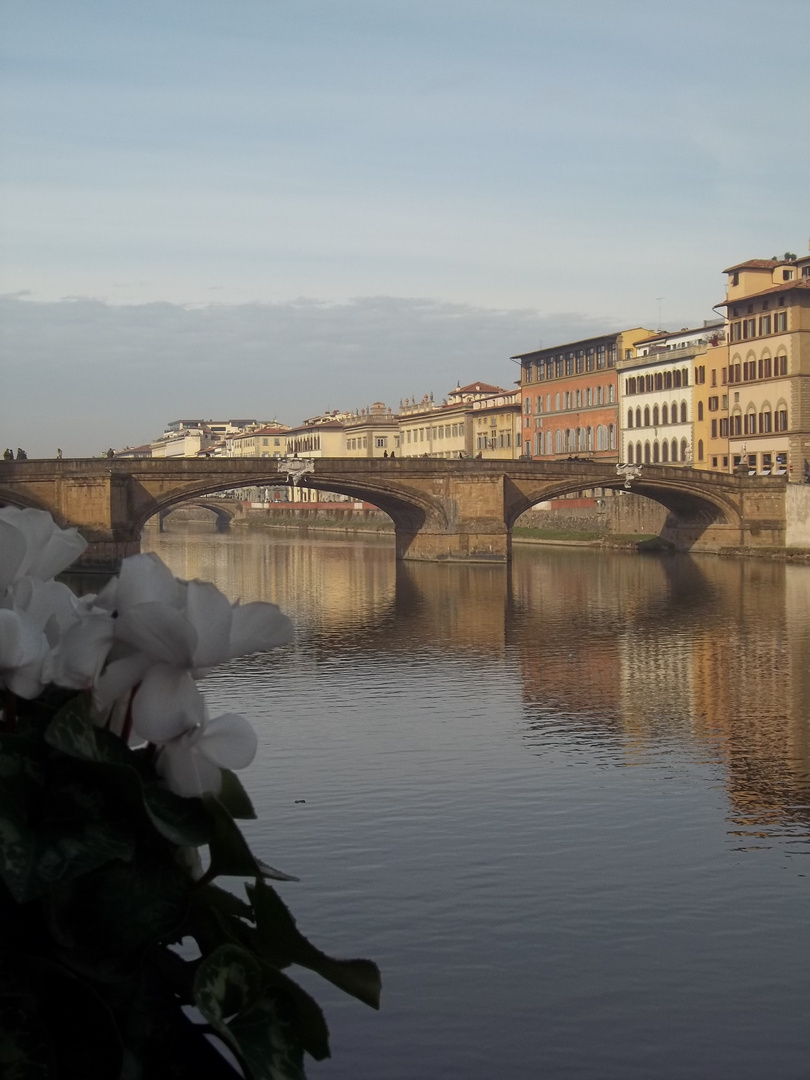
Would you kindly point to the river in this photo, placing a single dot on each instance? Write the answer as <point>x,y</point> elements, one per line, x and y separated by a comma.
<point>565,806</point>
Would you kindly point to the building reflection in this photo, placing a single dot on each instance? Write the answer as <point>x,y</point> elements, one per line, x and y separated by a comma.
<point>700,661</point>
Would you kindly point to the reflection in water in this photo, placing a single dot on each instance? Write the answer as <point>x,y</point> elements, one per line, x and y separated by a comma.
<point>566,794</point>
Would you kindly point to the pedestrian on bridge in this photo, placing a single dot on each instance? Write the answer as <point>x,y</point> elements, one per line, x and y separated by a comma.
<point>8,455</point>
<point>59,453</point>
<point>21,455</point>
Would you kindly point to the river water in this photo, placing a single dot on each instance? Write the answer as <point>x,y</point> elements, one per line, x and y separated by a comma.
<point>564,806</point>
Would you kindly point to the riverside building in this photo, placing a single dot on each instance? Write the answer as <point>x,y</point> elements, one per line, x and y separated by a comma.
<point>767,378</point>
<point>569,397</point>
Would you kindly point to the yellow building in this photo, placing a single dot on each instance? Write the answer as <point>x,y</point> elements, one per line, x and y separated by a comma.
<point>767,377</point>
<point>496,425</point>
<point>267,441</point>
<point>371,432</point>
<point>430,430</point>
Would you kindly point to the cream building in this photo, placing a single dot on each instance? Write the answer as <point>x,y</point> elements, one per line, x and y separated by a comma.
<point>190,438</point>
<point>496,426</point>
<point>430,430</point>
<point>656,402</point>
<point>372,432</point>
<point>269,440</point>
<point>767,378</point>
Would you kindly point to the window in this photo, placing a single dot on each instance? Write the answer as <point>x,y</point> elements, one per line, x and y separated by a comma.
<point>589,396</point>
<point>765,324</point>
<point>674,449</point>
<point>667,380</point>
<point>381,441</point>
<point>780,365</point>
<point>656,453</point>
<point>736,424</point>
<point>659,381</point>
<point>750,424</point>
<point>611,437</point>
<point>683,412</point>
<point>549,442</point>
<point>765,367</point>
<point>700,410</point>
<point>647,416</point>
<point>665,452</point>
<point>714,404</point>
<point>611,393</point>
<point>736,331</point>
<point>700,449</point>
<point>749,370</point>
<point>569,364</point>
<point>749,328</point>
<point>780,420</point>
<point>647,453</point>
<point>527,404</point>
<point>684,450</point>
<point>638,417</point>
<point>630,453</point>
<point>676,379</point>
<point>601,355</point>
<point>580,361</point>
<point>629,418</point>
<point>591,360</point>
<point>724,429</point>
<point>714,376</point>
<point>780,322</point>
<point>765,426</point>
<point>714,429</point>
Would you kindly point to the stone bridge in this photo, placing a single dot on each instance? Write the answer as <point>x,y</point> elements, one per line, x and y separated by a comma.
<point>441,509</point>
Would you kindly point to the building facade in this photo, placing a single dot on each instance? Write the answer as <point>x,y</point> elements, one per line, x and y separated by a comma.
<point>767,379</point>
<point>569,398</point>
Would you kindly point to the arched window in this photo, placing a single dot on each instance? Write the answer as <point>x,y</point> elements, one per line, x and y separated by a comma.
<point>700,449</point>
<point>646,416</point>
<point>611,437</point>
<point>638,417</point>
<point>557,403</point>
<point>683,412</point>
<point>630,453</point>
<point>538,443</point>
<point>700,410</point>
<point>655,416</point>
<point>560,442</point>
<point>582,438</point>
<point>647,453</point>
<point>638,453</point>
<point>664,414</point>
<point>684,449</point>
<point>674,449</point>
<point>673,413</point>
<point>656,452</point>
<point>677,379</point>
<point>659,381</point>
<point>572,441</point>
<point>665,451</point>
<point>629,418</point>
<point>590,438</point>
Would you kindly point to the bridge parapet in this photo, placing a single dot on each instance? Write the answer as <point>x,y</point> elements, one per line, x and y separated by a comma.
<point>441,509</point>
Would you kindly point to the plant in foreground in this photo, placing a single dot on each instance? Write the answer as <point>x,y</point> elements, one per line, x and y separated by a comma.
<point>121,954</point>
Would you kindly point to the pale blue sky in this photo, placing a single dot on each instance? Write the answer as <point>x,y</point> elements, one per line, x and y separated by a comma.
<point>528,168</point>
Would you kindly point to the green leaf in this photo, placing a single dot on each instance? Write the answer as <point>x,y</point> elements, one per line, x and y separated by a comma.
<point>234,798</point>
<point>230,854</point>
<point>257,1025</point>
<point>281,943</point>
<point>111,913</point>
<point>308,1022</point>
<point>73,732</point>
<point>227,982</point>
<point>75,830</point>
<point>182,821</point>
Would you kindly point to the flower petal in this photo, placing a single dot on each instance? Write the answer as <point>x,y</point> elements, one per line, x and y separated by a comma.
<point>229,741</point>
<point>118,678</point>
<point>185,771</point>
<point>166,704</point>
<point>258,626</point>
<point>80,653</point>
<point>12,549</point>
<point>209,612</point>
<point>48,548</point>
<point>160,631</point>
<point>142,578</point>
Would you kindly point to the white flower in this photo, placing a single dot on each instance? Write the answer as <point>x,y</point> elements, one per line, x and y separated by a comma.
<point>33,545</point>
<point>190,764</point>
<point>23,649</point>
<point>169,633</point>
<point>50,636</point>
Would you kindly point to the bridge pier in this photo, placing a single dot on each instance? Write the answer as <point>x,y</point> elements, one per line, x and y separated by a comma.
<point>490,546</point>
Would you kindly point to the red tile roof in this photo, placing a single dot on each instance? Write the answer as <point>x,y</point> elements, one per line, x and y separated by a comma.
<point>754,264</point>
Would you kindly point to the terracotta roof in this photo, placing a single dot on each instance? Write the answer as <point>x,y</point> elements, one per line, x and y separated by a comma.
<point>786,286</point>
<point>754,264</point>
<point>477,388</point>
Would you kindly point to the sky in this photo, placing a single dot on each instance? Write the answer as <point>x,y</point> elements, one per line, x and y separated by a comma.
<point>269,209</point>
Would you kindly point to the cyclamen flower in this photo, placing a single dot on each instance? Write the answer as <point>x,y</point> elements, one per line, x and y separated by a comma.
<point>191,763</point>
<point>33,545</point>
<point>169,633</point>
<point>47,635</point>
